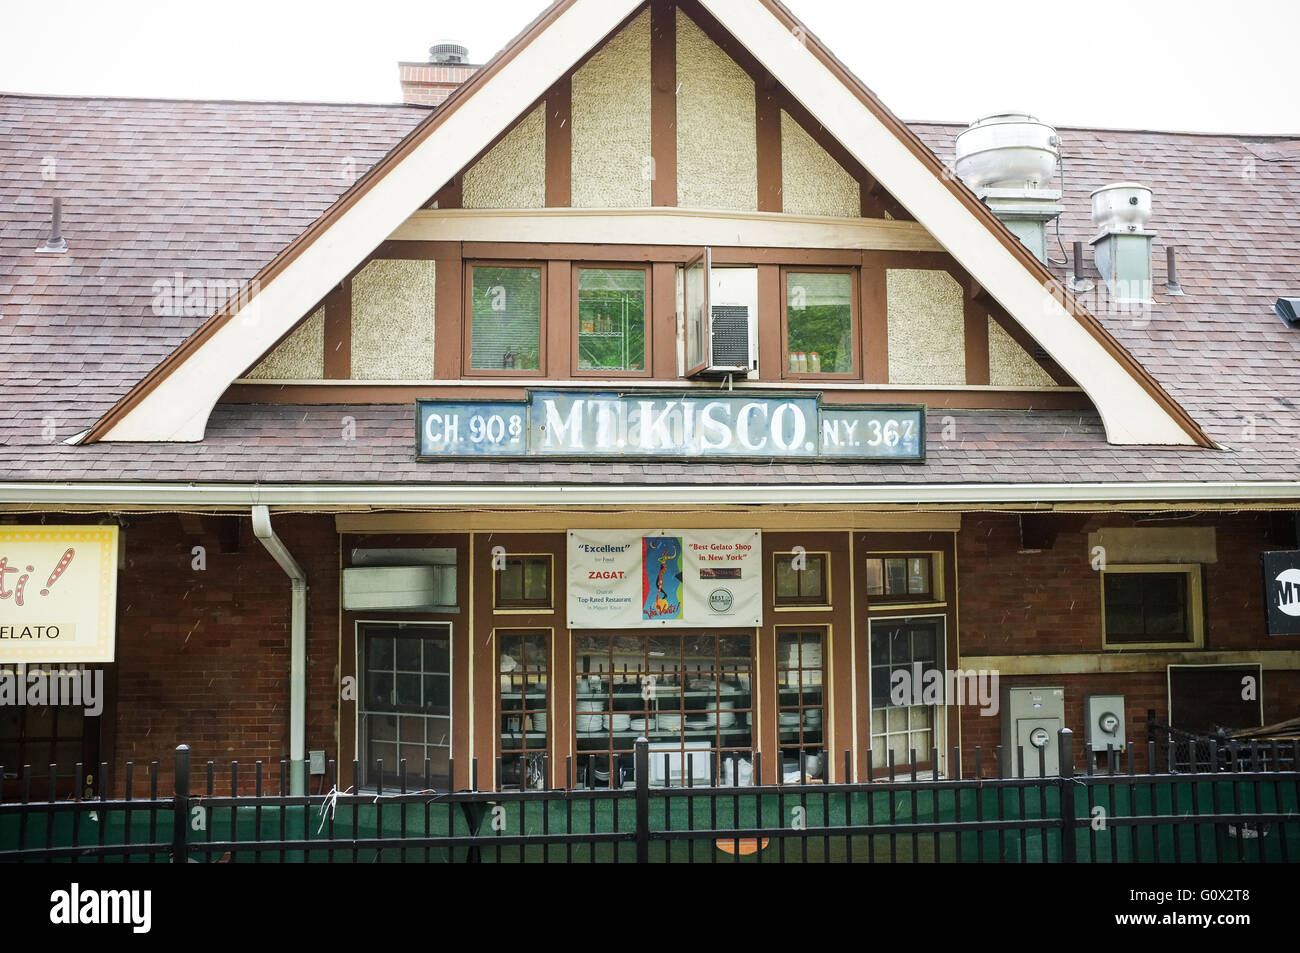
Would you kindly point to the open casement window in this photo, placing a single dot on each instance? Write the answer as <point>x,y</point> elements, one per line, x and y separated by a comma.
<point>820,324</point>
<point>506,319</point>
<point>695,301</point>
<point>610,330</point>
<point>1152,606</point>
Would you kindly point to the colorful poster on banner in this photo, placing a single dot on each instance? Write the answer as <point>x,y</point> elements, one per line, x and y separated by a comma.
<point>624,579</point>
<point>58,593</point>
<point>661,578</point>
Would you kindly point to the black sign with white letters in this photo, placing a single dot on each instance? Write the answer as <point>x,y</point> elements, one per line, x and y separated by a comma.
<point>1282,591</point>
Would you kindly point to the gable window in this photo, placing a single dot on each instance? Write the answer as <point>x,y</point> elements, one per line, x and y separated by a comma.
<point>1151,606</point>
<point>505,321</point>
<point>611,326</point>
<point>820,324</point>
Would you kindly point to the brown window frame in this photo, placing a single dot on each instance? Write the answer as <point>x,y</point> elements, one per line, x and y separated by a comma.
<point>526,605</point>
<point>524,752</point>
<point>821,601</point>
<point>907,598</point>
<point>467,318</point>
<point>576,267</point>
<point>855,322</point>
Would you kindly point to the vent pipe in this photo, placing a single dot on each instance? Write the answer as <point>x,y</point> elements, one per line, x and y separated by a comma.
<point>1171,272</point>
<point>55,244</point>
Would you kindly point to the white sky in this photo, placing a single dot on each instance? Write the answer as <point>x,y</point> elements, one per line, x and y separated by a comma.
<point>1189,65</point>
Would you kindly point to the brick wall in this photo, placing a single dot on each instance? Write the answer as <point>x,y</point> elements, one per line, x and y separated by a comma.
<point>1014,603</point>
<point>203,655</point>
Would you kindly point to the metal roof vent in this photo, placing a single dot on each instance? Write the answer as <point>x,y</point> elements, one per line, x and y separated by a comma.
<point>55,244</point>
<point>1122,248</point>
<point>1008,160</point>
<point>1288,309</point>
<point>447,51</point>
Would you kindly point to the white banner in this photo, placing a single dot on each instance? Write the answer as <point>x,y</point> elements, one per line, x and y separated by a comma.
<point>629,579</point>
<point>58,593</point>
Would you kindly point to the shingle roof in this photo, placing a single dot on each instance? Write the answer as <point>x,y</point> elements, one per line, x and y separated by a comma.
<point>151,189</point>
<point>213,191</point>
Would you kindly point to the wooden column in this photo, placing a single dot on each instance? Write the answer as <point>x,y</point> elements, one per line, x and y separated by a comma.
<point>768,126</point>
<point>338,332</point>
<point>874,305</point>
<point>977,343</point>
<point>663,103</point>
<point>559,145</point>
<point>449,310</point>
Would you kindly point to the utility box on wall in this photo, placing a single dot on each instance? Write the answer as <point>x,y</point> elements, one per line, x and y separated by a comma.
<point>1031,718</point>
<point>1104,722</point>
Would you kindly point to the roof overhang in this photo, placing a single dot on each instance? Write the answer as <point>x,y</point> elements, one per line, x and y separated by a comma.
<point>371,496</point>
<point>173,403</point>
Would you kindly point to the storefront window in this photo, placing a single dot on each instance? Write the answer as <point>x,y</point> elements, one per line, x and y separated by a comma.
<point>902,578</point>
<point>405,701</point>
<point>611,319</point>
<point>506,318</point>
<point>523,675</point>
<point>819,323</point>
<point>523,583</point>
<point>799,579</point>
<point>689,695</point>
<point>903,718</point>
<point>801,712</point>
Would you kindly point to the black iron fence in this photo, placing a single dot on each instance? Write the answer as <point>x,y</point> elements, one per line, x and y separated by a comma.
<point>1183,752</point>
<point>1236,812</point>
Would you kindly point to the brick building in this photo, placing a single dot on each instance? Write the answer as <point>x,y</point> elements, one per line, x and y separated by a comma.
<point>658,381</point>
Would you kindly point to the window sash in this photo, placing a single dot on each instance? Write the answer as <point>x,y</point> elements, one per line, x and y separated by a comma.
<point>821,324</point>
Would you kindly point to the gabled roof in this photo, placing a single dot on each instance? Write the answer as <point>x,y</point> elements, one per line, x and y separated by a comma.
<point>71,344</point>
<point>174,401</point>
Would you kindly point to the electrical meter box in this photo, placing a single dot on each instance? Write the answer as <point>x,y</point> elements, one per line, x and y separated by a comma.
<point>1104,718</point>
<point>1031,718</point>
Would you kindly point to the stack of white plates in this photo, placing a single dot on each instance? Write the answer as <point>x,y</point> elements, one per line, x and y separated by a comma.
<point>789,719</point>
<point>589,722</point>
<point>812,656</point>
<point>669,722</point>
<point>620,722</point>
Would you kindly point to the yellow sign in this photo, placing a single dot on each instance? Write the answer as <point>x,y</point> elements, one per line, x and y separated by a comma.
<point>58,593</point>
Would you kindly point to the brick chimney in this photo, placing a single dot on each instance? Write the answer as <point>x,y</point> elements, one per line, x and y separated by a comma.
<point>428,84</point>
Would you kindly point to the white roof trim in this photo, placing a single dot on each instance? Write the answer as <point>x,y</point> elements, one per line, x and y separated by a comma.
<point>177,409</point>
<point>382,496</point>
<point>1130,414</point>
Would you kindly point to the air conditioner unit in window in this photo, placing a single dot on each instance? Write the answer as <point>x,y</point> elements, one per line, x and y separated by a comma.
<point>720,307</point>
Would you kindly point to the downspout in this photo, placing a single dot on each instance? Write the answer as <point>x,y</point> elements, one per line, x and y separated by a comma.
<point>297,648</point>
